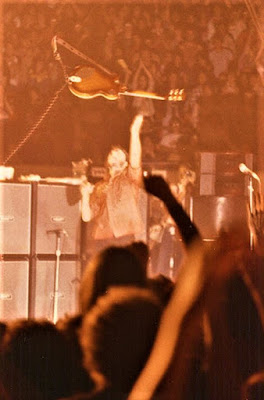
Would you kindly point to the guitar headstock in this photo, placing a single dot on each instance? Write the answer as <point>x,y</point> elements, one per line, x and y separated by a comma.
<point>176,95</point>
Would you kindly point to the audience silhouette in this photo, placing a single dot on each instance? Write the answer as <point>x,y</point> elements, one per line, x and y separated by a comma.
<point>139,337</point>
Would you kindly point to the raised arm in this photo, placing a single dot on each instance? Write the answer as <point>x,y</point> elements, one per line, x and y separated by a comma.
<point>135,78</point>
<point>86,190</point>
<point>149,75</point>
<point>189,286</point>
<point>135,149</point>
<point>158,187</point>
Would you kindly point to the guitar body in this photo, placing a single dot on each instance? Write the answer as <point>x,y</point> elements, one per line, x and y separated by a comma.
<point>88,82</point>
<point>94,80</point>
<point>94,83</point>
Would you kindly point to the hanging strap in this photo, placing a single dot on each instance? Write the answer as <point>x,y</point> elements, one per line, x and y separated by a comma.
<point>56,40</point>
<point>35,126</point>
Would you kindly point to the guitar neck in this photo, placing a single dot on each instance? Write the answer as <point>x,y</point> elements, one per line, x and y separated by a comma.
<point>174,95</point>
<point>146,95</point>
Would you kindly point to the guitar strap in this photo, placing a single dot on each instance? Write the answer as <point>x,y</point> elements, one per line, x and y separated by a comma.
<point>26,137</point>
<point>53,100</point>
<point>46,111</point>
<point>56,40</point>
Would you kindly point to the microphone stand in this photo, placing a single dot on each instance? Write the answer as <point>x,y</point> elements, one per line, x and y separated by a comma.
<point>58,233</point>
<point>251,175</point>
<point>259,185</point>
<point>251,203</point>
<point>251,190</point>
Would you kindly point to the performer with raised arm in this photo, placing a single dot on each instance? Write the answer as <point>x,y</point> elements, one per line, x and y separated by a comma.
<point>112,205</point>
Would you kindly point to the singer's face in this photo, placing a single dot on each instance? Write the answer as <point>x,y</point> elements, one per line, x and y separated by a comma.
<point>116,162</point>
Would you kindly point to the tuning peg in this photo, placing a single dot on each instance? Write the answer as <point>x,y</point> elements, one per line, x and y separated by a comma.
<point>176,95</point>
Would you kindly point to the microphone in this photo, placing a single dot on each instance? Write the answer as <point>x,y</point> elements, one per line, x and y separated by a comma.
<point>245,170</point>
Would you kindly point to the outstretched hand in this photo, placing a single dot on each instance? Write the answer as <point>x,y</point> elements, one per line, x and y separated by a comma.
<point>86,188</point>
<point>157,186</point>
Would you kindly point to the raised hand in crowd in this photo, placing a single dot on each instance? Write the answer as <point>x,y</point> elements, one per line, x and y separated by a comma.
<point>204,330</point>
<point>157,186</point>
<point>188,288</point>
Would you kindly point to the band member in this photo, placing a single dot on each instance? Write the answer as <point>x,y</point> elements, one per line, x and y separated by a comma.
<point>111,206</point>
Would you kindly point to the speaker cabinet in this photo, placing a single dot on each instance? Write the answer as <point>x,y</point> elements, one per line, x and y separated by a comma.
<point>14,285</point>
<point>68,288</point>
<point>211,213</point>
<point>56,214</point>
<point>15,221</point>
<point>220,175</point>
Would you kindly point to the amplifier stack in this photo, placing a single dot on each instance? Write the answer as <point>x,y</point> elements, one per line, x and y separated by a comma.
<point>39,244</point>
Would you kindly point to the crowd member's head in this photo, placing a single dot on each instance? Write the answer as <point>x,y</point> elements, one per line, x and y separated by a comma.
<point>141,251</point>
<point>117,335</point>
<point>34,362</point>
<point>114,266</point>
<point>3,327</point>
<point>162,286</point>
<point>69,327</point>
